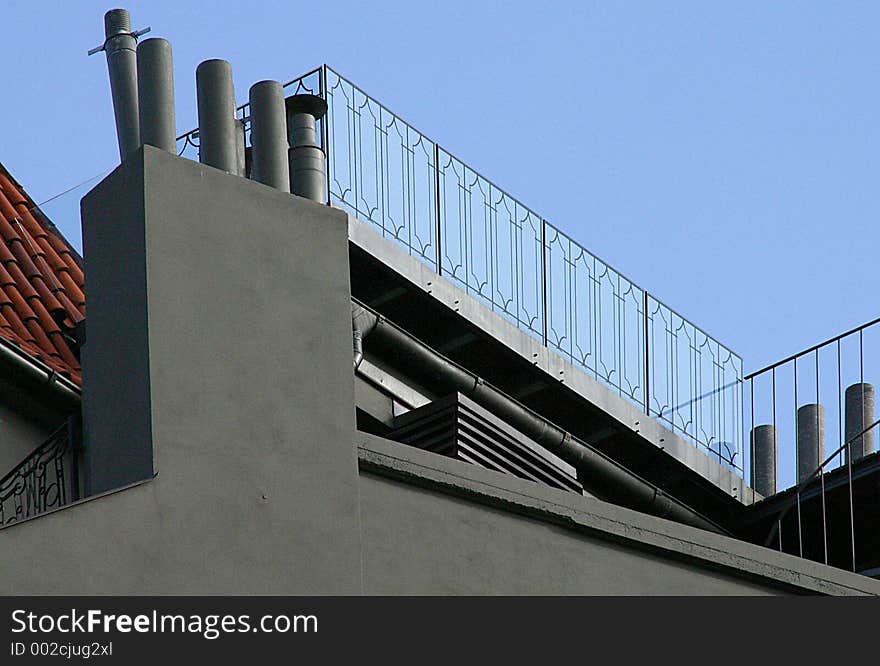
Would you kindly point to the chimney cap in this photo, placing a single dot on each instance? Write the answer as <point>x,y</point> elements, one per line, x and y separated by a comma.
<point>117,22</point>
<point>311,104</point>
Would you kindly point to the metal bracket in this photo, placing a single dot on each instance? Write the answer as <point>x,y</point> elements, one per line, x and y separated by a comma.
<point>135,34</point>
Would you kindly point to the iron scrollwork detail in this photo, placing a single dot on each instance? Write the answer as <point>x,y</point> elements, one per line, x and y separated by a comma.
<point>41,482</point>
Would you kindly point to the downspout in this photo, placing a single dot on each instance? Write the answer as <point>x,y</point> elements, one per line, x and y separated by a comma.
<point>606,478</point>
<point>360,318</point>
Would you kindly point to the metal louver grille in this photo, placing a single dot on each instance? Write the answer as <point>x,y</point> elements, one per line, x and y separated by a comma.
<point>456,427</point>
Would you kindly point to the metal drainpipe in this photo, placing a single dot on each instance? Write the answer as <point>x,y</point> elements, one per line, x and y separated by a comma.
<point>306,159</point>
<point>605,478</point>
<point>155,79</point>
<point>120,46</point>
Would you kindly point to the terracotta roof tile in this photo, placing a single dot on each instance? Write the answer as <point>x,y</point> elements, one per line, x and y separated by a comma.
<point>41,282</point>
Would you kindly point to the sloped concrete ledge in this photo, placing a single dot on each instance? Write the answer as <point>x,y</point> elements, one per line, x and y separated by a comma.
<point>557,368</point>
<point>698,548</point>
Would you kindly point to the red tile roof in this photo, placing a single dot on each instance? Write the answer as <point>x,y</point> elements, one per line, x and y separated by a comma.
<point>41,282</point>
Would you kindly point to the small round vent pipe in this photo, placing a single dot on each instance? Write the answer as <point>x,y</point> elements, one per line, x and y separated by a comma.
<point>269,135</point>
<point>604,477</point>
<point>218,131</point>
<point>810,439</point>
<point>306,159</point>
<point>120,46</point>
<point>764,446</point>
<point>155,82</point>
<point>859,400</point>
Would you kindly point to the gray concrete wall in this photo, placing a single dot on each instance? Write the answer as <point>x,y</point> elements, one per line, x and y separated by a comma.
<point>418,541</point>
<point>429,525</point>
<point>19,435</point>
<point>218,357</point>
<point>434,525</point>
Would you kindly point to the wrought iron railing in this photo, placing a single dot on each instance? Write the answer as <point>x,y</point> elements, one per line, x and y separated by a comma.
<point>442,211</point>
<point>837,375</point>
<point>46,479</point>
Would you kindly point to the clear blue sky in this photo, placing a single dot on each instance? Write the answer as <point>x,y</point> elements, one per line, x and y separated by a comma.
<point>723,155</point>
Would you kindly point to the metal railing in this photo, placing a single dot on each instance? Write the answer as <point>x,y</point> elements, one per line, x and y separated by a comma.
<point>47,479</point>
<point>803,535</point>
<point>835,374</point>
<point>466,228</point>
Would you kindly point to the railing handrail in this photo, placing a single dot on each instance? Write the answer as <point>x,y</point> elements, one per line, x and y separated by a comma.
<point>810,350</point>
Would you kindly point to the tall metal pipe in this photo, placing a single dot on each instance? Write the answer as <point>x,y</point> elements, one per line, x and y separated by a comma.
<point>217,123</point>
<point>120,46</point>
<point>269,135</point>
<point>155,82</point>
<point>859,401</point>
<point>306,159</point>
<point>810,439</point>
<point>764,444</point>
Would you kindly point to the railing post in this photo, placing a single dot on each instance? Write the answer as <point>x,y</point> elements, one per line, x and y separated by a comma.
<point>325,129</point>
<point>647,354</point>
<point>74,446</point>
<point>437,206</point>
<point>544,280</point>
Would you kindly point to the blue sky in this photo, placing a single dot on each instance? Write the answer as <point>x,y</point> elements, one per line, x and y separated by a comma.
<point>724,156</point>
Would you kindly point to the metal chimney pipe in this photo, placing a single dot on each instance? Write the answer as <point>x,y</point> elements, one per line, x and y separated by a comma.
<point>764,444</point>
<point>810,439</point>
<point>859,401</point>
<point>155,79</point>
<point>217,123</point>
<point>120,45</point>
<point>306,159</point>
<point>269,135</point>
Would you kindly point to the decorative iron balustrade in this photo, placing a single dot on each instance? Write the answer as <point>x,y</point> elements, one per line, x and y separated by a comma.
<point>46,479</point>
<point>385,172</point>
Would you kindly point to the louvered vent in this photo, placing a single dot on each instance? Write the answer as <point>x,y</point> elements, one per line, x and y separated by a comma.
<point>456,427</point>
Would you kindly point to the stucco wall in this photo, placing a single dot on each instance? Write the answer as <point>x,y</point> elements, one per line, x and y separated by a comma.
<point>428,525</point>
<point>419,541</point>
<point>19,435</point>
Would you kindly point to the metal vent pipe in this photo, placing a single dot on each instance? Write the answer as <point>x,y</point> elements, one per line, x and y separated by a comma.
<point>306,159</point>
<point>764,445</point>
<point>155,82</point>
<point>859,400</point>
<point>269,135</point>
<point>120,46</point>
<point>810,439</point>
<point>218,133</point>
<point>606,478</point>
